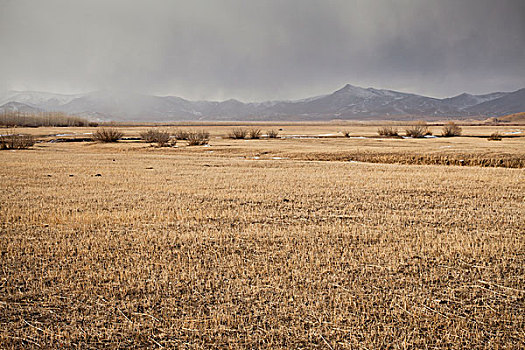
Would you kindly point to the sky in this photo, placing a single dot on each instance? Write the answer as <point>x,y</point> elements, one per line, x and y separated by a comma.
<point>264,49</point>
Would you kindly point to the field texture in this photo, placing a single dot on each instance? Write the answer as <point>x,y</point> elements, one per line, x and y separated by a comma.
<point>261,244</point>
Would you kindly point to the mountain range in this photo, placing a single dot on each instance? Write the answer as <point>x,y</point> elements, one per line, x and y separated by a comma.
<point>348,103</point>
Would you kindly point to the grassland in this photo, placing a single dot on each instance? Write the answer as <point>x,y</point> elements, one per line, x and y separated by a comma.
<point>262,243</point>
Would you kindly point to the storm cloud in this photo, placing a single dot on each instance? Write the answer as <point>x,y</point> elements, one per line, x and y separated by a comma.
<point>260,50</point>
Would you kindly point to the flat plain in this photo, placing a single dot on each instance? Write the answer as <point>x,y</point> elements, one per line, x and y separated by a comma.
<point>314,240</point>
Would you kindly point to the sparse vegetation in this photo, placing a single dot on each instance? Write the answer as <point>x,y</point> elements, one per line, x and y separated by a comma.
<point>181,134</point>
<point>451,129</point>
<point>238,133</point>
<point>107,135</point>
<point>278,244</point>
<point>162,138</point>
<point>495,136</point>
<point>387,131</point>
<point>346,133</point>
<point>198,138</point>
<point>254,133</point>
<point>16,141</point>
<point>272,134</point>
<point>13,119</point>
<point>419,129</point>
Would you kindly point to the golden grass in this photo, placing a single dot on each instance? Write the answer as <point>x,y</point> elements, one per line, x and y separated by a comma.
<point>206,247</point>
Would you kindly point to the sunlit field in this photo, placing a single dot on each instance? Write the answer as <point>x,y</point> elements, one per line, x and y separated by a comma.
<point>314,240</point>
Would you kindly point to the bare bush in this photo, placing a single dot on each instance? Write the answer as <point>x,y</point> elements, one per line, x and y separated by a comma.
<point>16,141</point>
<point>238,133</point>
<point>388,131</point>
<point>181,134</point>
<point>346,133</point>
<point>198,138</point>
<point>451,129</point>
<point>107,135</point>
<point>272,134</point>
<point>160,137</point>
<point>254,133</point>
<point>419,129</point>
<point>495,136</point>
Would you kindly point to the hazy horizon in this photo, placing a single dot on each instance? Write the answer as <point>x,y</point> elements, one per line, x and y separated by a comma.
<point>260,51</point>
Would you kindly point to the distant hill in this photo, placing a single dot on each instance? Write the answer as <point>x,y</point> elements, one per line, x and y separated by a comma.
<point>17,107</point>
<point>348,103</point>
<point>508,104</point>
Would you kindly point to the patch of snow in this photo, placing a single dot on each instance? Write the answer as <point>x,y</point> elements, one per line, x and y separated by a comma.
<point>513,132</point>
<point>430,136</point>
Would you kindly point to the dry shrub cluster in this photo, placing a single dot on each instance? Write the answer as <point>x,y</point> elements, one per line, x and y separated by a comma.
<point>254,133</point>
<point>419,129</point>
<point>181,134</point>
<point>198,138</point>
<point>272,134</point>
<point>238,133</point>
<point>162,138</point>
<point>387,131</point>
<point>107,135</point>
<point>451,129</point>
<point>16,141</point>
<point>346,133</point>
<point>11,119</point>
<point>495,136</point>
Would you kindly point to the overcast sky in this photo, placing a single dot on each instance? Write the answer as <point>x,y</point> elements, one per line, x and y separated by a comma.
<point>263,49</point>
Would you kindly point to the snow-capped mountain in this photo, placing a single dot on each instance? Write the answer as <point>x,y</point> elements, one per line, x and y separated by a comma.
<point>349,102</point>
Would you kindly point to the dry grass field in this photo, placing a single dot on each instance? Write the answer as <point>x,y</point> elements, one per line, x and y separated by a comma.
<point>273,243</point>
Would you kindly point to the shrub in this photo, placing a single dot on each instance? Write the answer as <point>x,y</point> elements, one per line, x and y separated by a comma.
<point>107,135</point>
<point>238,133</point>
<point>272,134</point>
<point>388,131</point>
<point>417,130</point>
<point>181,134</point>
<point>495,136</point>
<point>16,141</point>
<point>153,135</point>
<point>254,133</point>
<point>198,138</point>
<point>451,129</point>
<point>346,133</point>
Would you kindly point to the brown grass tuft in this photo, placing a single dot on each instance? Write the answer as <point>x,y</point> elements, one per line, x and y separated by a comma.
<point>387,131</point>
<point>107,135</point>
<point>419,129</point>
<point>451,129</point>
<point>238,133</point>
<point>254,133</point>
<point>160,137</point>
<point>198,138</point>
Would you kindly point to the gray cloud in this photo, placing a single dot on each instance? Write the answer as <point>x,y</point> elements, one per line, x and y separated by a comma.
<point>267,49</point>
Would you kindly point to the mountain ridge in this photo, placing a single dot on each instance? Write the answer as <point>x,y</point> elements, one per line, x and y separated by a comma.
<point>349,102</point>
